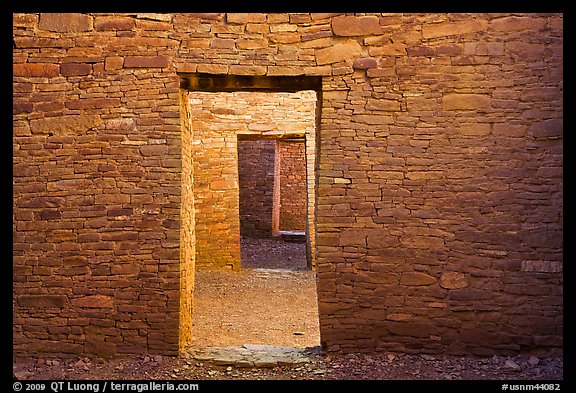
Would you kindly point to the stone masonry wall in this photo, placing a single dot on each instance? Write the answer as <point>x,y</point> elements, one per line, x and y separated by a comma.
<point>217,120</point>
<point>256,186</point>
<point>439,199</point>
<point>97,185</point>
<point>292,156</point>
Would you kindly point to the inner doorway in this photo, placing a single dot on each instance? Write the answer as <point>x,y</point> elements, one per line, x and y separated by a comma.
<point>273,203</point>
<point>233,304</point>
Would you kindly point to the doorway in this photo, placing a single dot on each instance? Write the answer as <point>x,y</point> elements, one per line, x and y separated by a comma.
<point>272,177</point>
<point>236,304</point>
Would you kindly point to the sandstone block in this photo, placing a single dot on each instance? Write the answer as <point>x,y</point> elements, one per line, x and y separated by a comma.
<point>338,52</point>
<point>399,317</point>
<point>111,198</point>
<point>103,349</point>
<point>284,70</point>
<point>169,254</point>
<point>252,43</point>
<point>477,336</point>
<point>424,175</point>
<point>422,242</point>
<point>550,128</point>
<point>475,129</point>
<point>297,18</point>
<point>453,280</point>
<point>525,50</point>
<point>377,240</point>
<point>196,43</point>
<point>285,37</point>
<point>124,269</point>
<point>411,328</point>
<point>223,184</point>
<point>94,301</point>
<point>457,28</point>
<point>32,42</point>
<point>119,235</point>
<point>541,266</point>
<point>492,49</point>
<point>548,340</point>
<point>127,211</point>
<point>21,107</point>
<point>65,22</point>
<point>462,101</point>
<point>105,23</point>
<point>541,94</point>
<point>36,70</point>
<point>146,62</point>
<point>517,23</point>
<point>40,202</point>
<point>153,25</point>
<point>208,15</point>
<point>75,69</point>
<point>24,20</point>
<point>374,119</point>
<point>241,18</point>
<point>355,25</point>
<point>65,125</point>
<point>380,72</point>
<point>212,68</point>
<point>365,63</point>
<point>509,130</point>
<point>114,63</point>
<point>155,16</point>
<point>342,180</point>
<point>49,214</point>
<point>75,261</point>
<point>416,279</point>
<point>222,43</point>
<point>42,301</point>
<point>87,51</point>
<point>353,237</point>
<point>121,124</point>
<point>315,36</point>
<point>93,103</point>
<point>469,295</point>
<point>153,150</point>
<point>396,49</point>
<point>247,70</point>
<point>383,105</point>
<point>422,103</point>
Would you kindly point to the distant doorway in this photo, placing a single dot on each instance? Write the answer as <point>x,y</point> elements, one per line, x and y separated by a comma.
<point>273,203</point>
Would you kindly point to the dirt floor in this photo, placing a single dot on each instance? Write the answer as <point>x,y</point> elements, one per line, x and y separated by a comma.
<point>255,306</point>
<point>271,301</point>
<point>278,307</point>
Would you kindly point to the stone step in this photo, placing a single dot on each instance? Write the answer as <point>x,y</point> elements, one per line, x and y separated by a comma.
<point>251,355</point>
<point>293,236</point>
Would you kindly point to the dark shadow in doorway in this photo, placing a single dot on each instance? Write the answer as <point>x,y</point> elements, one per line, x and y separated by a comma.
<point>273,253</point>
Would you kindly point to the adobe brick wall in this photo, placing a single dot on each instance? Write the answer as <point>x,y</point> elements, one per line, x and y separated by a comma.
<point>292,177</point>
<point>439,184</point>
<point>256,186</point>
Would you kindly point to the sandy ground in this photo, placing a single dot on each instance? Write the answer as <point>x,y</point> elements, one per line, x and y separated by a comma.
<point>271,300</point>
<point>255,306</point>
